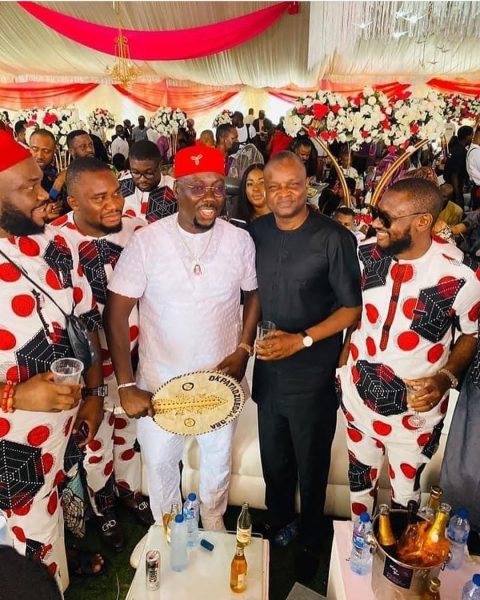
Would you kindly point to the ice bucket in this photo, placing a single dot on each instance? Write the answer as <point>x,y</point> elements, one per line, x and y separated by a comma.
<point>391,578</point>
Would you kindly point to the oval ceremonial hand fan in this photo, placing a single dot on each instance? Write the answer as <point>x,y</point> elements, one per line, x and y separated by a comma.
<point>198,402</point>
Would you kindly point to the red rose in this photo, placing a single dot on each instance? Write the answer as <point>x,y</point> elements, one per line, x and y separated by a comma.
<point>311,132</point>
<point>335,108</point>
<point>414,128</point>
<point>320,110</point>
<point>302,110</point>
<point>391,149</point>
<point>385,124</point>
<point>50,119</point>
<point>365,134</point>
<point>324,135</point>
<point>333,134</point>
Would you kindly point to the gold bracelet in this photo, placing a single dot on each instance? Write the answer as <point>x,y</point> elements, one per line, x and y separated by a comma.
<point>248,349</point>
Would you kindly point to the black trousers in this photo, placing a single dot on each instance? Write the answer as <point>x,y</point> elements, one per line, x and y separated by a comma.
<point>295,447</point>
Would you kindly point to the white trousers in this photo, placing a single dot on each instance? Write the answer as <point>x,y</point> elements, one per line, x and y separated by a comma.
<point>162,452</point>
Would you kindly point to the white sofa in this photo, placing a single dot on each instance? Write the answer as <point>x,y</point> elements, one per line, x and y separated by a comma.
<point>247,483</point>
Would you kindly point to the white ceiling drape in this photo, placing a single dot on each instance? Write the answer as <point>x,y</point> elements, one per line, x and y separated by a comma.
<point>342,41</point>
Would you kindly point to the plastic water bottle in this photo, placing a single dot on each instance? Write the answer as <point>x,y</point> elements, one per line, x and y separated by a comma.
<point>361,557</point>
<point>471,591</point>
<point>191,513</point>
<point>457,533</point>
<point>178,545</point>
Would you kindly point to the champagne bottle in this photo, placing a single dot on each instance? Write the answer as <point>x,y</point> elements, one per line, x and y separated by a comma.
<point>435,545</point>
<point>244,526</point>
<point>433,590</point>
<point>385,534</point>
<point>408,542</point>
<point>238,571</point>
<point>429,510</point>
<point>170,518</point>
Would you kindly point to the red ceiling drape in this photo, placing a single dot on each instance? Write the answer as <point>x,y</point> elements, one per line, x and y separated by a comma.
<point>291,93</point>
<point>162,45</point>
<point>455,87</point>
<point>17,96</point>
<point>192,100</point>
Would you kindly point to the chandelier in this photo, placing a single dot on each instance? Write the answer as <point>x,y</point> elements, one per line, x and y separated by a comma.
<point>124,70</point>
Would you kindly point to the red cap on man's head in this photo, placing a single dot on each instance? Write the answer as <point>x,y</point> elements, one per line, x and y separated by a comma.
<point>198,159</point>
<point>11,152</point>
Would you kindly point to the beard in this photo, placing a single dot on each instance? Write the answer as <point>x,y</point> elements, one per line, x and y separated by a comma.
<point>16,223</point>
<point>112,229</point>
<point>201,226</point>
<point>398,246</point>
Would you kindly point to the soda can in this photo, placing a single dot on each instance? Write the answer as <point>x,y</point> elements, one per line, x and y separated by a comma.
<point>152,561</point>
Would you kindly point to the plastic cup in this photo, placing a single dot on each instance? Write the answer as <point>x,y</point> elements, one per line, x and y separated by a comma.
<point>67,370</point>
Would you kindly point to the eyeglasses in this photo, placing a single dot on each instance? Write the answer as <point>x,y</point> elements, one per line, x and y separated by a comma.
<point>198,190</point>
<point>387,220</point>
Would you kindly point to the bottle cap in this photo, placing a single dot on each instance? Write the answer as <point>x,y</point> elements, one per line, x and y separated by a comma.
<point>192,496</point>
<point>178,518</point>
<point>207,545</point>
<point>463,513</point>
<point>365,517</point>
<point>476,579</point>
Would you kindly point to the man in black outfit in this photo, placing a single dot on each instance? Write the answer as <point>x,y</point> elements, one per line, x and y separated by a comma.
<point>455,171</point>
<point>309,285</point>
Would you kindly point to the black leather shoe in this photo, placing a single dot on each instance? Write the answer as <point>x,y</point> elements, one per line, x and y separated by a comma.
<point>306,564</point>
<point>139,505</point>
<point>110,530</point>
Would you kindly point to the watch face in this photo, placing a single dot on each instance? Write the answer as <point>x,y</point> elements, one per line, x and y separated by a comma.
<point>307,341</point>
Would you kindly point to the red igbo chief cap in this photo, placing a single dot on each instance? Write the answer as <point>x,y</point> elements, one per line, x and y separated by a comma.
<point>198,159</point>
<point>11,152</point>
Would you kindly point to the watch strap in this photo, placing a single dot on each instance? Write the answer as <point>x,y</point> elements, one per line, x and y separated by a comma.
<point>101,390</point>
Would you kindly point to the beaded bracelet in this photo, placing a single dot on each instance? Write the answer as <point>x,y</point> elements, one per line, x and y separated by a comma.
<point>7,397</point>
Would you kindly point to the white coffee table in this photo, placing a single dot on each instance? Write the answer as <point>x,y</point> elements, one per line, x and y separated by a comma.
<point>207,574</point>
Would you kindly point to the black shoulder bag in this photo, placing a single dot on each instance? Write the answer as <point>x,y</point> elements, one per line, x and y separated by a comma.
<point>77,332</point>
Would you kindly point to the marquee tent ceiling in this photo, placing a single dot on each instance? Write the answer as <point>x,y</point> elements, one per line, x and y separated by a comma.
<point>341,41</point>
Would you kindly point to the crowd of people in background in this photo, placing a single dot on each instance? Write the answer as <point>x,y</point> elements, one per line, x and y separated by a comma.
<point>139,191</point>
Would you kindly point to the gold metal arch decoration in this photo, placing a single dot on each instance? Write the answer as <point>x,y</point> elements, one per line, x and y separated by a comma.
<point>391,170</point>
<point>338,170</point>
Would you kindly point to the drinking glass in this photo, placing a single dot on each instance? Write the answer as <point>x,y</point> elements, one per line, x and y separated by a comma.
<point>417,419</point>
<point>67,370</point>
<point>264,328</point>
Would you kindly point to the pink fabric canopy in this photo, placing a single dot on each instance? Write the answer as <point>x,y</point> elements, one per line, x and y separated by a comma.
<point>163,45</point>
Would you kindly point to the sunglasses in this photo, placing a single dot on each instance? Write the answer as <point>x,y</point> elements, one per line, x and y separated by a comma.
<point>199,190</point>
<point>387,220</point>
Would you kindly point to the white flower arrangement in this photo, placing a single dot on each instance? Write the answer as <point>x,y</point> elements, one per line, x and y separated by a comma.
<point>223,118</point>
<point>101,118</point>
<point>167,121</point>
<point>60,121</point>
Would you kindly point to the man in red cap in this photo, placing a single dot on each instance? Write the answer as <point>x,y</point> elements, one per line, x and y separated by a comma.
<point>40,283</point>
<point>186,272</point>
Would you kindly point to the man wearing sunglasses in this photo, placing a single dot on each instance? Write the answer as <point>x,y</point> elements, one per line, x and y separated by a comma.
<point>186,271</point>
<point>416,336</point>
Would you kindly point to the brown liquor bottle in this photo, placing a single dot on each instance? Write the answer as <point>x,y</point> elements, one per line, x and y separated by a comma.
<point>408,542</point>
<point>238,571</point>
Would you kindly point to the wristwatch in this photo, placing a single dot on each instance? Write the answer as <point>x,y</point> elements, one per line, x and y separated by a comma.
<point>307,339</point>
<point>101,390</point>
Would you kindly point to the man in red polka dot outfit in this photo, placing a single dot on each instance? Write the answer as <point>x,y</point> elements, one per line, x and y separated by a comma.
<point>98,233</point>
<point>419,295</point>
<point>33,334</point>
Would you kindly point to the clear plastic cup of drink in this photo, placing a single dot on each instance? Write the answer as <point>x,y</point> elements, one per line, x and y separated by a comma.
<point>67,371</point>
